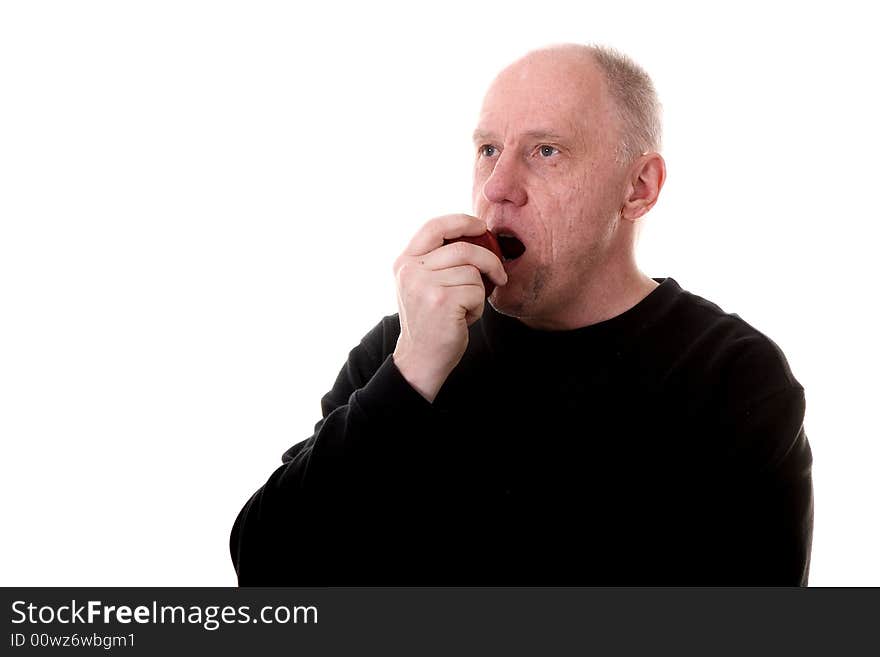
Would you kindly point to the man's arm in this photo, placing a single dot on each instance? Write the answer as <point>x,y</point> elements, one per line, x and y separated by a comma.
<point>313,521</point>
<point>289,531</point>
<point>770,524</point>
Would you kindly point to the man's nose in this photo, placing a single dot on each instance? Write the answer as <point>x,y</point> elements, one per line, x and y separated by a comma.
<point>505,182</point>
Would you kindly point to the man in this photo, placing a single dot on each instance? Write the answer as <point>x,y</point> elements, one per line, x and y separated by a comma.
<point>589,425</point>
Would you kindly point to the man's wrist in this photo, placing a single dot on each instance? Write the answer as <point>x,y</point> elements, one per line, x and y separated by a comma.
<point>419,377</point>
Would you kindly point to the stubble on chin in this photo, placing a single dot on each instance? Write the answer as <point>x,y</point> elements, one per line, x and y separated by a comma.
<point>530,299</point>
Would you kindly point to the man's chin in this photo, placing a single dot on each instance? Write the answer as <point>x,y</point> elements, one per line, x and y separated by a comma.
<point>506,302</point>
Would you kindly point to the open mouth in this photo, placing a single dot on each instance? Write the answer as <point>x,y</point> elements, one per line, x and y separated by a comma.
<point>511,247</point>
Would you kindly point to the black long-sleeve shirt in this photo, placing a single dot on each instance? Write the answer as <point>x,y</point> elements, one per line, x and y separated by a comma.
<point>663,446</point>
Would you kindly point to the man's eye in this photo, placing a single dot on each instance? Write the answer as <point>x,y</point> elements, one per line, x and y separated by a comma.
<point>487,150</point>
<point>547,151</point>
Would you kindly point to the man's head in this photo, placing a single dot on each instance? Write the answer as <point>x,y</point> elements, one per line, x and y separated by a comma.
<point>566,161</point>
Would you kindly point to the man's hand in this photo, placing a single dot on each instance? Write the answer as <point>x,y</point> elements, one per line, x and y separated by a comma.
<point>439,294</point>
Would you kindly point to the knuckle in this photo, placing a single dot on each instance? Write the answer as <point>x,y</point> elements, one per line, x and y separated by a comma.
<point>474,273</point>
<point>402,268</point>
<point>437,297</point>
<point>434,224</point>
<point>398,265</point>
<point>407,276</point>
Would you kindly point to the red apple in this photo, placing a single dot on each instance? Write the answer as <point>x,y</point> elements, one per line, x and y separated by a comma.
<point>488,241</point>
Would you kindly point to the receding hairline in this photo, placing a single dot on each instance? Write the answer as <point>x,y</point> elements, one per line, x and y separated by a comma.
<point>629,89</point>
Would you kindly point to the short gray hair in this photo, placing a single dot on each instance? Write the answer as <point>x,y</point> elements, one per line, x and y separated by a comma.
<point>635,99</point>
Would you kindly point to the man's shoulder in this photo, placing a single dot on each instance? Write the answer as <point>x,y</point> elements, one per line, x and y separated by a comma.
<point>725,343</point>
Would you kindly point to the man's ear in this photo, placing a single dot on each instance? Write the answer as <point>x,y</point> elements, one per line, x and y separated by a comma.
<point>646,178</point>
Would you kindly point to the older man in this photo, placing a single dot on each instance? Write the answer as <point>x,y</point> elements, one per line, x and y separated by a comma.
<point>586,425</point>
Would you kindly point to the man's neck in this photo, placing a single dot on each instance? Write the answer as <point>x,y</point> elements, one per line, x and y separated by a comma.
<point>602,297</point>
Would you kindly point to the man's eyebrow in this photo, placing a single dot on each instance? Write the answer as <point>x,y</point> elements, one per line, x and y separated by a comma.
<point>545,135</point>
<point>483,135</point>
<point>540,135</point>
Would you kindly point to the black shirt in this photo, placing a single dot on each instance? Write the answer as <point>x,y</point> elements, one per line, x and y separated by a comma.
<point>663,446</point>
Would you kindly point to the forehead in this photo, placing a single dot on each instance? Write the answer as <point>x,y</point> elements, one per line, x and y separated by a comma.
<point>551,91</point>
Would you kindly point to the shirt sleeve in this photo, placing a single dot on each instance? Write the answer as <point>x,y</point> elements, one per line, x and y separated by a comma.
<point>768,528</point>
<point>297,529</point>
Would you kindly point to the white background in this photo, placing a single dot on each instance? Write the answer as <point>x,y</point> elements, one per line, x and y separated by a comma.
<point>201,203</point>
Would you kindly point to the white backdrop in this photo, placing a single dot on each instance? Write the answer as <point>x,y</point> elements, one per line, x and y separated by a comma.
<point>201,203</point>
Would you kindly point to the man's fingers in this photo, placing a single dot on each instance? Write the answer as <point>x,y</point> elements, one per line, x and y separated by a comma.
<point>449,226</point>
<point>465,253</point>
<point>452,276</point>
